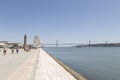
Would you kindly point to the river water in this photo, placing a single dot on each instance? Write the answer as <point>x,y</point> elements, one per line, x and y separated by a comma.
<point>94,63</point>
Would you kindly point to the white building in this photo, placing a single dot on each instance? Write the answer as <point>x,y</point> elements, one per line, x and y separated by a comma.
<point>2,45</point>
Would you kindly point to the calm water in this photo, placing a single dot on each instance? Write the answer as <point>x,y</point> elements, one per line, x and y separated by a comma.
<point>98,63</point>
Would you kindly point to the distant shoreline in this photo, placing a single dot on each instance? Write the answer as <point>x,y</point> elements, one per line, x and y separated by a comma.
<point>100,45</point>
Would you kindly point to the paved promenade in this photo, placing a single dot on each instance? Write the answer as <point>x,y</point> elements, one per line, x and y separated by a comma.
<point>18,66</point>
<point>49,69</point>
<point>34,65</point>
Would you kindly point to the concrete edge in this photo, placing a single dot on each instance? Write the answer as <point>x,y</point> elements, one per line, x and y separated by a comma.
<point>35,66</point>
<point>70,70</point>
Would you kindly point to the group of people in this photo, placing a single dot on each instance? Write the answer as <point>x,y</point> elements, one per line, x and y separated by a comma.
<point>15,50</point>
<point>12,50</point>
<point>27,49</point>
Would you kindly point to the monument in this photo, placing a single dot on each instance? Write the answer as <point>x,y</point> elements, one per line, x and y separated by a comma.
<point>25,41</point>
<point>37,43</point>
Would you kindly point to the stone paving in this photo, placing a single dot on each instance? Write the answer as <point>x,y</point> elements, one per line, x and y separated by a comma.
<point>34,65</point>
<point>17,66</point>
<point>49,69</point>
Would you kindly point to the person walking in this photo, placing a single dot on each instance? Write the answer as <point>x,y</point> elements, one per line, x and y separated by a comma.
<point>4,51</point>
<point>12,51</point>
<point>17,50</point>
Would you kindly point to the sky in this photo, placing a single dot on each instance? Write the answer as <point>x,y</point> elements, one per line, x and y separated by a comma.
<point>68,21</point>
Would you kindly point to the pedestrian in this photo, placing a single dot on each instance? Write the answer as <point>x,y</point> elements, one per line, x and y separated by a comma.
<point>29,49</point>
<point>12,51</point>
<point>4,51</point>
<point>17,50</point>
<point>24,49</point>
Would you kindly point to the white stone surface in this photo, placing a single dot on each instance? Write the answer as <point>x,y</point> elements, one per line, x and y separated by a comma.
<point>22,66</point>
<point>16,66</point>
<point>49,69</point>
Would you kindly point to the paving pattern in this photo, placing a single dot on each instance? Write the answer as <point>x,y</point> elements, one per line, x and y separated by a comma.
<point>49,69</point>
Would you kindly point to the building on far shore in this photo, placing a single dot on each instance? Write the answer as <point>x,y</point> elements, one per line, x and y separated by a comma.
<point>2,45</point>
<point>10,44</point>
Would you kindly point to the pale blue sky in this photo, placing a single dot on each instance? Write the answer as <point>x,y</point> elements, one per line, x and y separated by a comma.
<point>75,21</point>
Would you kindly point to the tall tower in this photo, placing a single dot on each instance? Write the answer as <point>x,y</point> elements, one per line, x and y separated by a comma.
<point>36,41</point>
<point>25,41</point>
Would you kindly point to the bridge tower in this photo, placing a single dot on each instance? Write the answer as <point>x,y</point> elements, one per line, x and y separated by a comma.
<point>56,43</point>
<point>106,42</point>
<point>89,42</point>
